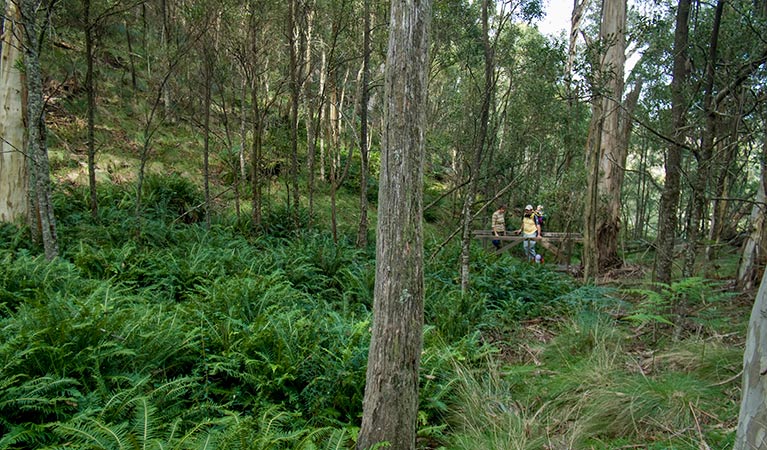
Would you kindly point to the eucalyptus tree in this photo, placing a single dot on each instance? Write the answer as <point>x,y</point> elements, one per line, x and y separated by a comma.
<point>340,54</point>
<point>480,141</point>
<point>390,405</point>
<point>669,203</point>
<point>14,187</point>
<point>605,148</point>
<point>362,229</point>
<point>254,45</point>
<point>43,218</point>
<point>297,41</point>
<point>208,53</point>
<point>95,17</point>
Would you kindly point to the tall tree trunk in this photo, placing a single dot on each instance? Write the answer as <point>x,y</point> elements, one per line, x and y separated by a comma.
<point>311,102</point>
<point>165,42</point>
<point>14,181</point>
<point>390,405</point>
<point>243,133</point>
<point>131,56</point>
<point>90,91</point>
<point>479,149</point>
<point>256,158</point>
<point>569,139</point>
<point>208,80</point>
<point>669,202</point>
<point>754,255</point>
<point>362,229</point>
<point>36,147</point>
<point>590,258</point>
<point>295,97</point>
<point>704,155</point>
<point>752,419</point>
<point>614,141</point>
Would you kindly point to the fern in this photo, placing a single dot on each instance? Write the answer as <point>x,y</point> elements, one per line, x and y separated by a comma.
<point>45,395</point>
<point>92,433</point>
<point>664,304</point>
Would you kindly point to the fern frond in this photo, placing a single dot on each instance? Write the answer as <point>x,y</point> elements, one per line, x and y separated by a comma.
<point>93,433</point>
<point>24,433</point>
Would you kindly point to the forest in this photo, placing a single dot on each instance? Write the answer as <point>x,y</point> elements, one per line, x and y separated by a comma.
<point>265,224</point>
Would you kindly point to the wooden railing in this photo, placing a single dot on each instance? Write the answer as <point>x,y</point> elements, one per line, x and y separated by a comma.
<point>547,240</point>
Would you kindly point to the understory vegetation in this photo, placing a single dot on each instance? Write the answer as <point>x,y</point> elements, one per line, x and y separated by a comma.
<point>178,337</point>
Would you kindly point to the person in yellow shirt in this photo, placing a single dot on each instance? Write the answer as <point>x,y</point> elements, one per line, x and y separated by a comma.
<point>531,231</point>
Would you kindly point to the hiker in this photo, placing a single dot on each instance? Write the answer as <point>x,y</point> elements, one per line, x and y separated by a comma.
<point>540,216</point>
<point>531,231</point>
<point>499,225</point>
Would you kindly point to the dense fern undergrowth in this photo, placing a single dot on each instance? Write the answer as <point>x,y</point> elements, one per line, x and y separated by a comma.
<point>178,337</point>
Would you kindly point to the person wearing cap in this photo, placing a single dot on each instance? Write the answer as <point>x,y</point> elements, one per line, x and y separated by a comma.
<point>531,231</point>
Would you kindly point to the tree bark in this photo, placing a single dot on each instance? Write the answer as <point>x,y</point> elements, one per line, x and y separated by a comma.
<point>36,147</point>
<point>605,147</point>
<point>390,405</point>
<point>590,258</point>
<point>752,419</point>
<point>669,202</point>
<point>14,181</point>
<point>614,141</point>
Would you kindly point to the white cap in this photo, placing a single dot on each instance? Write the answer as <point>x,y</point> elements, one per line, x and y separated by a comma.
<point>529,207</point>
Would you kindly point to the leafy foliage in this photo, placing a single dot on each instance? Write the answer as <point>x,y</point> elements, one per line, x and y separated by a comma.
<point>211,339</point>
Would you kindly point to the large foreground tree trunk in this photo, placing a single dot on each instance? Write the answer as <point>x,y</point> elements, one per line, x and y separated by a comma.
<point>752,420</point>
<point>390,405</point>
<point>13,164</point>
